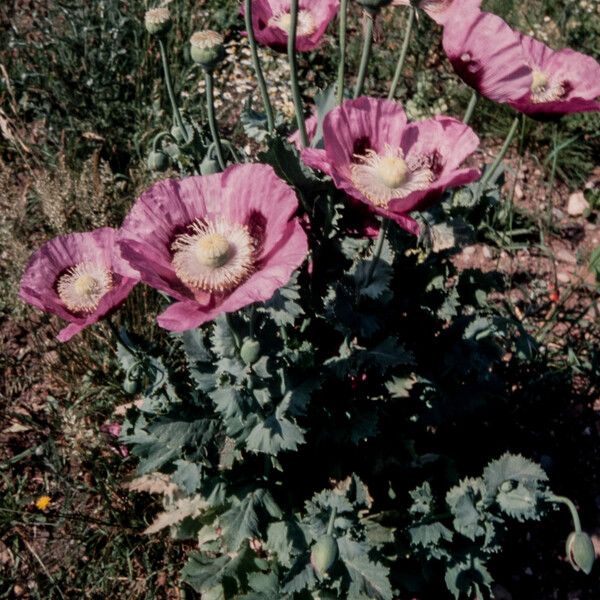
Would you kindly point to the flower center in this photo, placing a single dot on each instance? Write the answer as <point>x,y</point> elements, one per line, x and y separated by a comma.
<point>389,176</point>
<point>214,256</point>
<point>545,89</point>
<point>212,250</point>
<point>305,25</point>
<point>82,287</point>
<point>392,171</point>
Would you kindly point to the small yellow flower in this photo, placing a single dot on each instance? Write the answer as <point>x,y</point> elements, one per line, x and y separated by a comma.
<point>43,502</point>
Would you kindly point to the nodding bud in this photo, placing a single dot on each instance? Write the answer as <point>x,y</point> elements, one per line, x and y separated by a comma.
<point>580,552</point>
<point>158,161</point>
<point>207,48</point>
<point>209,165</point>
<point>157,20</point>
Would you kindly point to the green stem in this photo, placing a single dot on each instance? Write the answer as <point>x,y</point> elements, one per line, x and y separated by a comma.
<point>169,84</point>
<point>291,48</point>
<point>366,52</point>
<point>569,504</point>
<point>470,108</point>
<point>234,333</point>
<point>511,201</point>
<point>332,517</point>
<point>260,78</point>
<point>212,122</point>
<point>492,170</point>
<point>403,51</point>
<point>342,63</point>
<point>385,225</point>
<point>555,149</point>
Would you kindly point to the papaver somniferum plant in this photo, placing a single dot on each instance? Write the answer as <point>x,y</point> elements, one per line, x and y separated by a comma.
<point>318,336</point>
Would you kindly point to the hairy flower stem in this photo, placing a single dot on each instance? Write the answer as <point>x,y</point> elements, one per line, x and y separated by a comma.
<point>212,122</point>
<point>403,51</point>
<point>260,78</point>
<point>511,199</point>
<point>366,52</point>
<point>569,504</point>
<point>385,225</point>
<point>291,48</point>
<point>236,338</point>
<point>555,150</point>
<point>489,174</point>
<point>332,517</point>
<point>342,63</point>
<point>169,84</point>
<point>470,108</point>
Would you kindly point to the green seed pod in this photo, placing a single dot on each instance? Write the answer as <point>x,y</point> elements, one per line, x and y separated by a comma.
<point>580,552</point>
<point>158,161</point>
<point>209,165</point>
<point>324,554</point>
<point>250,351</point>
<point>158,20</point>
<point>207,49</point>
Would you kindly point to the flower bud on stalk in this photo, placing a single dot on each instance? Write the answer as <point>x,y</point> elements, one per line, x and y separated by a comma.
<point>158,161</point>
<point>209,165</point>
<point>324,554</point>
<point>580,551</point>
<point>250,351</point>
<point>207,49</point>
<point>158,21</point>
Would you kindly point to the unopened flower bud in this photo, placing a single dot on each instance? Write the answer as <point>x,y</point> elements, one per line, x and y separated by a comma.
<point>324,554</point>
<point>157,20</point>
<point>250,351</point>
<point>580,552</point>
<point>209,165</point>
<point>158,161</point>
<point>207,48</point>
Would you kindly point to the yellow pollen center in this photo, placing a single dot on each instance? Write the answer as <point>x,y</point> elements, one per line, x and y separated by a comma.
<point>539,82</point>
<point>392,171</point>
<point>212,250</point>
<point>86,286</point>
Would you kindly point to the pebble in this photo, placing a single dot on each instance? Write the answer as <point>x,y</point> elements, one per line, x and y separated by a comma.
<point>577,204</point>
<point>563,277</point>
<point>566,257</point>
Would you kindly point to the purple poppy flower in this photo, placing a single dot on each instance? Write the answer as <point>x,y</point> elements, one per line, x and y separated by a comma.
<point>441,10</point>
<point>395,167</point>
<point>271,22</point>
<point>563,81</point>
<point>487,54</point>
<point>507,66</point>
<point>80,277</point>
<point>215,243</point>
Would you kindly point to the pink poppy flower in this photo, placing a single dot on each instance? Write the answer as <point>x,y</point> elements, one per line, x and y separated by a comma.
<point>80,277</point>
<point>563,81</point>
<point>215,243</point>
<point>271,22</point>
<point>487,54</point>
<point>441,10</point>
<point>374,155</point>
<point>519,70</point>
